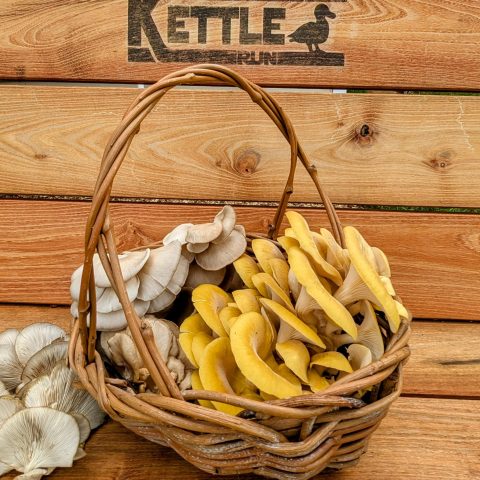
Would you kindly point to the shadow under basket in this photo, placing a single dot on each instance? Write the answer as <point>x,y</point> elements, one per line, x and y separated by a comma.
<point>293,438</point>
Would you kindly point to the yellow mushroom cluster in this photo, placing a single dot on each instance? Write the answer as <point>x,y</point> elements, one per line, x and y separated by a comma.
<point>308,314</point>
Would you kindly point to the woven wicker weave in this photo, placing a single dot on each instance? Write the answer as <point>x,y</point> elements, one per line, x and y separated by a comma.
<point>294,438</point>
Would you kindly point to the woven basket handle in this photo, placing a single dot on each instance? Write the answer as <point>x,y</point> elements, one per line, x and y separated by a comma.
<point>99,234</point>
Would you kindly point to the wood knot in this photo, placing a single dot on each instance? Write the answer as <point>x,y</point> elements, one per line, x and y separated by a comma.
<point>40,156</point>
<point>442,161</point>
<point>246,161</point>
<point>365,134</point>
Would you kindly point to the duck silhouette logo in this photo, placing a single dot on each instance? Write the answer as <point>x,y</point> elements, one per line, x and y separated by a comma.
<point>314,33</point>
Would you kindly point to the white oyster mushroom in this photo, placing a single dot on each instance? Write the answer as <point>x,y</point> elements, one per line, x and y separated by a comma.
<point>8,407</point>
<point>197,275</point>
<point>228,218</point>
<point>178,234</point>
<point>35,337</point>
<point>8,337</point>
<point>359,356</point>
<point>3,390</point>
<point>58,391</point>
<point>36,440</point>
<point>44,360</point>
<point>109,301</point>
<point>163,263</point>
<point>219,255</point>
<point>10,367</point>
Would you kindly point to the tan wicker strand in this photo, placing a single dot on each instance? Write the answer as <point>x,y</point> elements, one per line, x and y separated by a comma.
<point>294,438</point>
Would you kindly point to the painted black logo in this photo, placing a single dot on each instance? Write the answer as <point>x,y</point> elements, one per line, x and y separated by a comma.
<point>186,25</point>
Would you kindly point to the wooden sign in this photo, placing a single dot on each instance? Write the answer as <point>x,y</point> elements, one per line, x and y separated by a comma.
<point>389,44</point>
<point>231,32</point>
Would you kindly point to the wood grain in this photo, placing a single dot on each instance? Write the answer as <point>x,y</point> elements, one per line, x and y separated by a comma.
<point>386,44</point>
<point>420,439</point>
<point>416,150</point>
<point>434,257</point>
<point>445,360</point>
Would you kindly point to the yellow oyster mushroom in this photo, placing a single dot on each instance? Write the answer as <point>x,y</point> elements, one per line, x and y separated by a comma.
<point>306,276</point>
<point>290,326</point>
<point>246,267</point>
<point>336,255</point>
<point>359,356</point>
<point>316,382</point>
<point>228,315</point>
<point>369,333</point>
<point>287,242</point>
<point>248,336</point>
<point>269,288</point>
<point>331,361</point>
<point>296,357</point>
<point>308,245</point>
<point>197,385</point>
<point>363,281</point>
<point>195,324</point>
<point>199,343</point>
<point>264,251</point>
<point>217,368</point>
<point>208,300</point>
<point>280,271</point>
<point>247,300</point>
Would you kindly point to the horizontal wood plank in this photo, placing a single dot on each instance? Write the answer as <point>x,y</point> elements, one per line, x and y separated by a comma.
<point>444,361</point>
<point>420,439</point>
<point>369,149</point>
<point>434,257</point>
<point>383,44</point>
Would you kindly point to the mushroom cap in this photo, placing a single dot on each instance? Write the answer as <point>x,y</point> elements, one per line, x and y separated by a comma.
<point>248,335</point>
<point>280,269</point>
<point>185,339</point>
<point>357,246</point>
<point>163,262</point>
<point>194,324</point>
<point>58,391</point>
<point>306,276</point>
<point>3,390</point>
<point>332,360</point>
<point>121,350</point>
<point>10,367</point>
<point>307,244</point>
<point>287,242</point>
<point>8,337</point>
<point>264,250</point>
<point>217,367</point>
<point>116,320</point>
<point>269,288</point>
<point>246,300</point>
<point>296,357</point>
<point>130,264</point>
<point>204,232</point>
<point>8,407</point>
<point>246,267</point>
<point>179,276</point>
<point>108,300</point>
<point>228,316</point>
<point>197,247</point>
<point>149,288</point>
<point>198,275</point>
<point>39,438</point>
<point>161,303</point>
<point>34,337</point>
<point>200,341</point>
<point>178,234</point>
<point>227,217</point>
<point>291,327</point>
<point>44,360</point>
<point>197,385</point>
<point>359,356</point>
<point>219,255</point>
<point>316,381</point>
<point>336,255</point>
<point>381,262</point>
<point>83,427</point>
<point>208,301</point>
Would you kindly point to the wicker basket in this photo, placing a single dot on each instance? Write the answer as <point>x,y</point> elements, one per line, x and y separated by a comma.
<point>294,438</point>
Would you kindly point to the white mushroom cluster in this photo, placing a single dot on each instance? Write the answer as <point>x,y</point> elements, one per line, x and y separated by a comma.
<point>44,417</point>
<point>190,255</point>
<point>120,349</point>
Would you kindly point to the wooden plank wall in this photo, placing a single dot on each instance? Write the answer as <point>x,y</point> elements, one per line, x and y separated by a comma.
<point>383,43</point>
<point>397,164</point>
